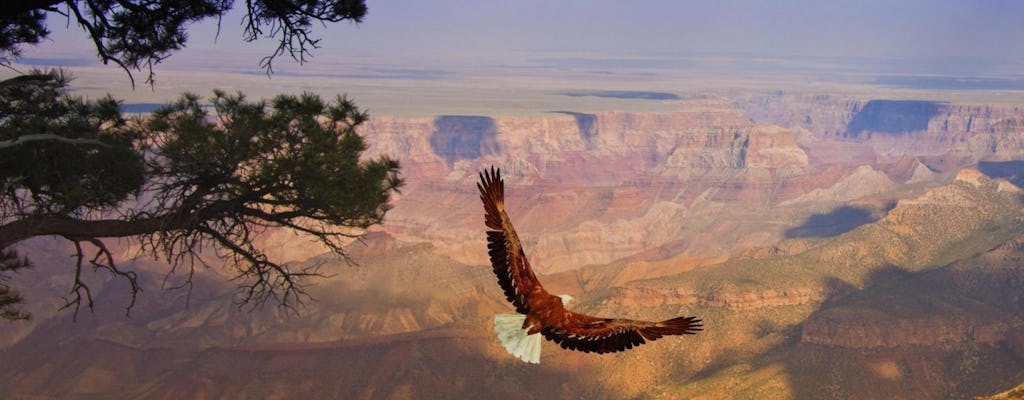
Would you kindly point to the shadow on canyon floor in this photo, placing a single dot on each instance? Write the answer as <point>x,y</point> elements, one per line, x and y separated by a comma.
<point>892,117</point>
<point>1012,171</point>
<point>464,137</point>
<point>895,304</point>
<point>837,221</point>
<point>911,359</point>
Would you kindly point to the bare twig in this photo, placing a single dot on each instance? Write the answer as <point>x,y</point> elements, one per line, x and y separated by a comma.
<point>77,285</point>
<point>102,259</point>
<point>107,263</point>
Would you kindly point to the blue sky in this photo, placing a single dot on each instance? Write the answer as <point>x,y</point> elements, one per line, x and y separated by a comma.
<point>975,36</point>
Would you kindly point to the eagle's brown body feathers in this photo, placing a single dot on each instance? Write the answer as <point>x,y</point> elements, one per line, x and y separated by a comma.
<point>545,313</point>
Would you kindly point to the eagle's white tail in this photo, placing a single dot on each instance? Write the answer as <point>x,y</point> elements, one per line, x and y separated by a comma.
<point>509,328</point>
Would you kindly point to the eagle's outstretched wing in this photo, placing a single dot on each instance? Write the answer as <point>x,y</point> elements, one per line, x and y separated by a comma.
<point>605,335</point>
<point>507,258</point>
<point>570,330</point>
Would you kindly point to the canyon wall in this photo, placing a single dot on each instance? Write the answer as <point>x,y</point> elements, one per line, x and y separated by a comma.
<point>837,128</point>
<point>594,188</point>
<point>588,188</point>
<point>824,265</point>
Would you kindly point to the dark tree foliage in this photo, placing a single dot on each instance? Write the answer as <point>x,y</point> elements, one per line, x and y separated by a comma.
<point>137,34</point>
<point>73,156</point>
<point>183,181</point>
<point>18,28</point>
<point>9,298</point>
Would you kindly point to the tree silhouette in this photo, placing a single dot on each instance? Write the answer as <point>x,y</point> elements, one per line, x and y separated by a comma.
<point>137,34</point>
<point>183,180</point>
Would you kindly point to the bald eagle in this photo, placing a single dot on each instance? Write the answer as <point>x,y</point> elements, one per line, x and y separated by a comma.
<point>540,313</point>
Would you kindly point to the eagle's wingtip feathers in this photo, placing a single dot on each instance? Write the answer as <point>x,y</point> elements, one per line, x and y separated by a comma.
<point>508,260</point>
<point>680,326</point>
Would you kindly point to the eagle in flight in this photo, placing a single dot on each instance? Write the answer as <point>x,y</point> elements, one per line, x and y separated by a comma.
<point>540,313</point>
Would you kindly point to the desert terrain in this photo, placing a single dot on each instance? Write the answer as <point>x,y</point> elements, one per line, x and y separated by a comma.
<point>840,240</point>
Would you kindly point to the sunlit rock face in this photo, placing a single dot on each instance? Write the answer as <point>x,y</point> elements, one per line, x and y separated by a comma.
<point>825,265</point>
<point>943,135</point>
<point>597,187</point>
<point>855,313</point>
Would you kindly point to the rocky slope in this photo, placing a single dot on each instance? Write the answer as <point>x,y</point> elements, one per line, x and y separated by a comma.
<point>848,315</point>
<point>824,267</point>
<point>901,307</point>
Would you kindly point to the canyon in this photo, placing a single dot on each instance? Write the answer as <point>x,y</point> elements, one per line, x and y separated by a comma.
<point>835,246</point>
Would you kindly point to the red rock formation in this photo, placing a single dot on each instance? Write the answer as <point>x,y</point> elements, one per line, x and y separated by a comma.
<point>637,180</point>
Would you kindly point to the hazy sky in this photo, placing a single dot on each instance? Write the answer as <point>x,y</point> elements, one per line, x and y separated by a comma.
<point>885,28</point>
<point>932,32</point>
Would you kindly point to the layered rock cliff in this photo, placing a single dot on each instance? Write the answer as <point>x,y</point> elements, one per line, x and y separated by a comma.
<point>849,129</point>
<point>593,188</point>
<point>823,266</point>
